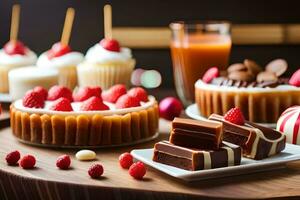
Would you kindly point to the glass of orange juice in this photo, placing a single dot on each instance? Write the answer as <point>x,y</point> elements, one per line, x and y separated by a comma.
<point>195,47</point>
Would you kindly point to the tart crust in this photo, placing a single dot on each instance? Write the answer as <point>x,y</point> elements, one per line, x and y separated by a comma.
<point>262,106</point>
<point>84,130</point>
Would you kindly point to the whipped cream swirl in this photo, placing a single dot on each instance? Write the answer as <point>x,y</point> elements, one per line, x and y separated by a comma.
<point>18,60</point>
<point>69,59</point>
<point>97,54</point>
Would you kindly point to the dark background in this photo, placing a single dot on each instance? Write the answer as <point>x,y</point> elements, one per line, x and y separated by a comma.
<point>42,22</point>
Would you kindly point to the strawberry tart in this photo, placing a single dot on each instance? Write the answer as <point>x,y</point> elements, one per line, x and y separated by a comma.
<point>13,55</point>
<point>261,94</point>
<point>87,117</point>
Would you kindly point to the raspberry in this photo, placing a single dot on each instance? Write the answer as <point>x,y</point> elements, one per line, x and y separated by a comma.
<point>87,92</point>
<point>295,79</point>
<point>137,170</point>
<point>57,91</point>
<point>27,162</point>
<point>42,91</point>
<point>58,49</point>
<point>112,94</point>
<point>63,162</point>
<point>14,47</point>
<point>139,93</point>
<point>235,115</point>
<point>210,74</point>
<point>169,108</point>
<point>110,45</point>
<point>13,157</point>
<point>61,104</point>
<point>125,160</point>
<point>126,101</point>
<point>33,99</point>
<point>93,103</point>
<point>96,170</point>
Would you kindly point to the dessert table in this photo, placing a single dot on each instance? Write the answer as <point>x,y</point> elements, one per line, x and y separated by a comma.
<point>45,181</point>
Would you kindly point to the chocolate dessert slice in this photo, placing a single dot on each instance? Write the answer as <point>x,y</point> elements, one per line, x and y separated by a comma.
<point>257,142</point>
<point>196,159</point>
<point>196,133</point>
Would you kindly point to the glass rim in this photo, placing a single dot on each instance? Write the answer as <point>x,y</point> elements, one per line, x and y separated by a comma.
<point>198,23</point>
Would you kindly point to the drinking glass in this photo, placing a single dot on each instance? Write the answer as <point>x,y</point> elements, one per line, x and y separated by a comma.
<point>195,47</point>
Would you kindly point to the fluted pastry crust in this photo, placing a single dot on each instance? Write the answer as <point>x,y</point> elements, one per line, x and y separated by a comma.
<point>83,130</point>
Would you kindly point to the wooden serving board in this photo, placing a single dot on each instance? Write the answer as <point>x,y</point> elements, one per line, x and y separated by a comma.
<point>48,182</point>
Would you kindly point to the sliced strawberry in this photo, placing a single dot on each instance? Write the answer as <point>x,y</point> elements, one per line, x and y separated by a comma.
<point>33,99</point>
<point>210,74</point>
<point>58,49</point>
<point>126,101</point>
<point>139,93</point>
<point>110,45</point>
<point>42,91</point>
<point>295,79</point>
<point>92,104</point>
<point>14,47</point>
<point>61,104</point>
<point>87,92</point>
<point>235,115</point>
<point>58,91</point>
<point>112,94</point>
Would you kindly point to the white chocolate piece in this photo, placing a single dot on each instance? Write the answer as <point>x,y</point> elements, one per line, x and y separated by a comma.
<point>85,155</point>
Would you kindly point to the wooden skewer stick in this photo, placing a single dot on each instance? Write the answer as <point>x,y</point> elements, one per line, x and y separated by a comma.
<point>65,37</point>
<point>107,21</point>
<point>15,18</point>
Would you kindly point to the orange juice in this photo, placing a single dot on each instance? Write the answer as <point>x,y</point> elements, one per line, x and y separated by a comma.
<point>193,55</point>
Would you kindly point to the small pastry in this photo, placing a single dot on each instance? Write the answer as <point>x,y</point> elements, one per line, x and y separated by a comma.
<point>258,142</point>
<point>196,159</point>
<point>13,55</point>
<point>25,78</point>
<point>262,95</point>
<point>105,65</point>
<point>61,58</point>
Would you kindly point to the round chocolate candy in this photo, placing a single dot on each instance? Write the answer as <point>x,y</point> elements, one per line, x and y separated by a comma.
<point>266,76</point>
<point>252,66</point>
<point>236,67</point>
<point>277,66</point>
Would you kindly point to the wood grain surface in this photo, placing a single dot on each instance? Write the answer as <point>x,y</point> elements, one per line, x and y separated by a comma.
<point>48,182</point>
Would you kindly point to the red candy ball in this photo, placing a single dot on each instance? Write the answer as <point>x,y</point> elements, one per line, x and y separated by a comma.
<point>169,108</point>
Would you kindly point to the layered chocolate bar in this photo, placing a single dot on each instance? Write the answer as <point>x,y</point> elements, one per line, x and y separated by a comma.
<point>257,141</point>
<point>196,159</point>
<point>201,134</point>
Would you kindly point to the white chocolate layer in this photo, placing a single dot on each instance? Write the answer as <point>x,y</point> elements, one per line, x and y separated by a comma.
<point>76,107</point>
<point>283,88</point>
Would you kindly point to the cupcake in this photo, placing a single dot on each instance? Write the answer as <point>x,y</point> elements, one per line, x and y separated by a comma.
<point>64,60</point>
<point>105,65</point>
<point>13,55</point>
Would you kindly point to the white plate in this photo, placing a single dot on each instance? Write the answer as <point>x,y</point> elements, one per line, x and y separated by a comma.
<point>193,112</point>
<point>290,153</point>
<point>5,97</point>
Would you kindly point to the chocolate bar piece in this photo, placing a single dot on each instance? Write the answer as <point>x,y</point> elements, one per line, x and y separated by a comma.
<point>196,159</point>
<point>257,142</point>
<point>201,134</point>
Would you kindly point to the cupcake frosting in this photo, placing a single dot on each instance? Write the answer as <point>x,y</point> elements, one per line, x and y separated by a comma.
<point>97,54</point>
<point>69,59</point>
<point>21,60</point>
